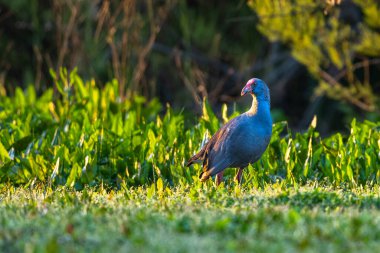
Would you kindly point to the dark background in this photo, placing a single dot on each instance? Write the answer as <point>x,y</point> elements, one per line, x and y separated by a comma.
<point>320,58</point>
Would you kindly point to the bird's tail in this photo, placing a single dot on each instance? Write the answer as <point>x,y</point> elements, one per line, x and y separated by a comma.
<point>194,159</point>
<point>201,155</point>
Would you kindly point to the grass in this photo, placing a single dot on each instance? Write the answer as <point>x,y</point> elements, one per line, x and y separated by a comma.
<point>85,171</point>
<point>190,219</point>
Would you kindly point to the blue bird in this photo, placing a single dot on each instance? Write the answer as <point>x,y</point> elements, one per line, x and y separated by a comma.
<point>242,140</point>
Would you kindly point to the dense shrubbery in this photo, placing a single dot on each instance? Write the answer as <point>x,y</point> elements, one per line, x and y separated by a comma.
<point>88,135</point>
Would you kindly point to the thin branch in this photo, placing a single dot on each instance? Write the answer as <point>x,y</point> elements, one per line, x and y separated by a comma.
<point>186,81</point>
<point>155,28</point>
<point>345,93</point>
<point>67,33</point>
<point>356,66</point>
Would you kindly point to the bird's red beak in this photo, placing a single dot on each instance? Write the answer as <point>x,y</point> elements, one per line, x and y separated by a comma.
<point>247,89</point>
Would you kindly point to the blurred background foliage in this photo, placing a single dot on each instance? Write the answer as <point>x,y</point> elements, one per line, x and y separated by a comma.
<point>318,57</point>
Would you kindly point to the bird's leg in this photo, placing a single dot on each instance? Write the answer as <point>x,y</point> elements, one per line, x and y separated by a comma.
<point>238,175</point>
<point>219,178</point>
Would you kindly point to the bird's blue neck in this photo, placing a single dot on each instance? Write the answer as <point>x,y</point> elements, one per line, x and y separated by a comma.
<point>260,106</point>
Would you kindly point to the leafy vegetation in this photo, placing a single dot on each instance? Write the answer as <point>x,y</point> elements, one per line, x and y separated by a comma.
<point>329,43</point>
<point>89,136</point>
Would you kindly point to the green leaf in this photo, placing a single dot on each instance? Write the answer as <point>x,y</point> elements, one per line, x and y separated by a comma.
<point>4,156</point>
<point>160,186</point>
<point>75,173</point>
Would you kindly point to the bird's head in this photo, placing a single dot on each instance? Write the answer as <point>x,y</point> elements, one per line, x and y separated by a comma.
<point>256,87</point>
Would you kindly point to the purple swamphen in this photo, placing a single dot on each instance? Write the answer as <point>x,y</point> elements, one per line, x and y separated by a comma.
<point>242,140</point>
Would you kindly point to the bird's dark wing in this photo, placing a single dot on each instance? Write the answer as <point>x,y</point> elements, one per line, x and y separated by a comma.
<point>207,153</point>
<point>218,157</point>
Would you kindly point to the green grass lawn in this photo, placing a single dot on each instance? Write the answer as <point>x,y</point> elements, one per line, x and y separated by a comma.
<point>190,219</point>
